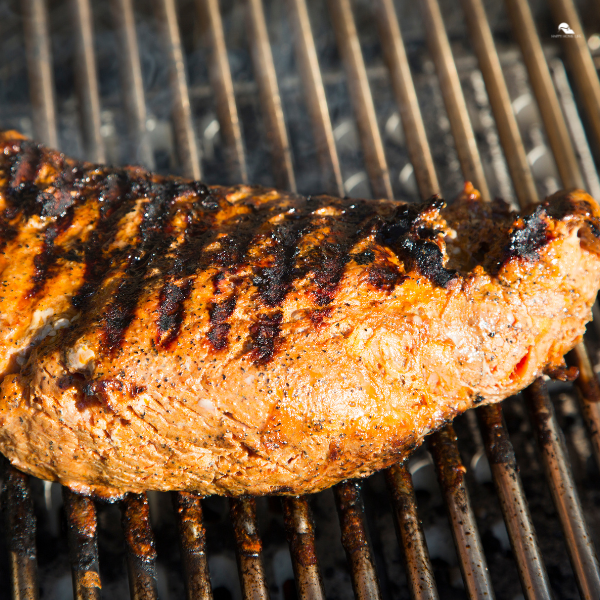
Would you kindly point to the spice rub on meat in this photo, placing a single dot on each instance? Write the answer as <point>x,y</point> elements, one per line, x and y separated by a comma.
<point>157,333</point>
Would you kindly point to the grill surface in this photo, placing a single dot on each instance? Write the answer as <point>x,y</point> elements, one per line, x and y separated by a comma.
<point>248,93</point>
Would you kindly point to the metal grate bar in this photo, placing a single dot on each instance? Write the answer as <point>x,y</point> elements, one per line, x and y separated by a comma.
<point>20,534</point>
<point>270,99</point>
<point>416,557</point>
<point>187,146</point>
<point>39,67</point>
<point>141,551</point>
<point>406,98</point>
<point>556,129</point>
<point>131,82</point>
<point>248,548</point>
<point>300,531</point>
<point>580,60</point>
<point>464,527</point>
<point>466,145</point>
<point>354,539</point>
<point>87,81</point>
<point>505,472</point>
<point>192,538</point>
<point>213,36</point>
<point>560,478</point>
<point>362,99</point>
<point>83,545</point>
<point>316,100</point>
<point>508,129</point>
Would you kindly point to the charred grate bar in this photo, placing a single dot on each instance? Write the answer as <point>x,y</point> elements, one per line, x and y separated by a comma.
<point>141,553</point>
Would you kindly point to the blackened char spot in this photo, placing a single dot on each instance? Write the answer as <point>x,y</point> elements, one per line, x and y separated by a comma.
<point>265,337</point>
<point>364,258</point>
<point>219,313</point>
<point>171,311</point>
<point>22,192</point>
<point>426,257</point>
<point>594,227</point>
<point>528,236</point>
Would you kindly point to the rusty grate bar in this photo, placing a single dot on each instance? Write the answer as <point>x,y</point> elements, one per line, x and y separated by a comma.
<point>83,545</point>
<point>354,539</point>
<point>39,67</point>
<point>464,527</point>
<point>131,82</point>
<point>581,62</point>
<point>87,81</point>
<point>141,550</point>
<point>406,98</point>
<point>416,557</point>
<point>189,155</point>
<point>270,99</point>
<point>213,37</point>
<point>19,522</point>
<point>192,539</point>
<point>361,97</point>
<point>560,479</point>
<point>300,531</point>
<point>248,548</point>
<point>316,100</point>
<point>456,107</point>
<point>505,472</point>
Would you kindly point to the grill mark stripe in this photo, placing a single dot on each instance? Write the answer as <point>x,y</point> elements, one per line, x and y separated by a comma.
<point>219,313</point>
<point>153,243</point>
<point>46,259</point>
<point>171,311</point>
<point>115,199</point>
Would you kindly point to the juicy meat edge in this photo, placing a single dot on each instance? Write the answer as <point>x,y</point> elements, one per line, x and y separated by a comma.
<point>351,383</point>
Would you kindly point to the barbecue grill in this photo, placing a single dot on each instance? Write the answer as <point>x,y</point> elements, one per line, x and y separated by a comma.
<point>350,107</point>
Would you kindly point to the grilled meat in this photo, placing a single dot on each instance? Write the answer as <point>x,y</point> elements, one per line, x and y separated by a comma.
<point>161,334</point>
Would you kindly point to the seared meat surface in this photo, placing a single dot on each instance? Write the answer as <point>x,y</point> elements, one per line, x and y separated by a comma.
<point>161,334</point>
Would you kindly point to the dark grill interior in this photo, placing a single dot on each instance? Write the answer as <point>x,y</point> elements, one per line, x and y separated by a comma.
<point>359,98</point>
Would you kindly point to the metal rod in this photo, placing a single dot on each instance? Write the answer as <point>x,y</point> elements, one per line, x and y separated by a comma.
<point>316,100</point>
<point>421,581</point>
<point>141,550</point>
<point>361,97</point>
<point>270,99</point>
<point>300,531</point>
<point>248,548</point>
<point>464,527</point>
<point>454,100</point>
<point>508,129</point>
<point>192,538</point>
<point>86,80</point>
<point>525,31</point>
<point>209,16</point>
<point>19,523</point>
<point>83,545</point>
<point>406,98</point>
<point>581,63</point>
<point>187,145</point>
<point>354,539</point>
<point>559,474</point>
<point>505,472</point>
<point>39,67</point>
<point>131,82</point>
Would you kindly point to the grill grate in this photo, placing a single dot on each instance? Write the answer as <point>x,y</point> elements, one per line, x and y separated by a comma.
<point>300,529</point>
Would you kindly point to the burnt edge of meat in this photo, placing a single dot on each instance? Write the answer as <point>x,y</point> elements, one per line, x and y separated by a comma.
<point>409,236</point>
